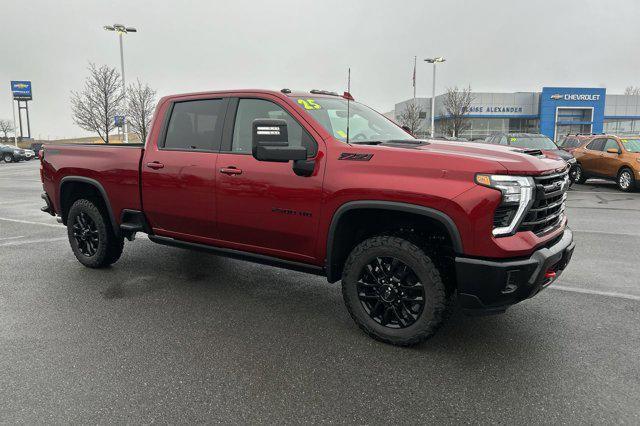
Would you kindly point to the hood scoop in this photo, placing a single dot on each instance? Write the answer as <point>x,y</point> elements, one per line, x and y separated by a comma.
<point>533,152</point>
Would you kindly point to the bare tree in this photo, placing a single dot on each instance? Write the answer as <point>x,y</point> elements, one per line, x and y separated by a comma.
<point>6,127</point>
<point>142,103</point>
<point>101,99</point>
<point>411,117</point>
<point>632,90</point>
<point>456,105</point>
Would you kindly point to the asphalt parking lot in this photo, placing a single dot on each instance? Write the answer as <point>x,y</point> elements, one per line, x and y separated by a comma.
<point>167,335</point>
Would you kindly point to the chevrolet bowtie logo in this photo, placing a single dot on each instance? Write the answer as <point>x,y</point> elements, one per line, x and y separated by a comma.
<point>20,85</point>
<point>556,97</point>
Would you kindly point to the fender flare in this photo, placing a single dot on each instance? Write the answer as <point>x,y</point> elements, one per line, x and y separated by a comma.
<point>100,189</point>
<point>437,215</point>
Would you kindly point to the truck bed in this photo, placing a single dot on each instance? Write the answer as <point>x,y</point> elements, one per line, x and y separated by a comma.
<point>114,169</point>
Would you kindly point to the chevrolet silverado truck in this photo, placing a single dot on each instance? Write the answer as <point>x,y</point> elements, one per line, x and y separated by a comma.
<point>316,182</point>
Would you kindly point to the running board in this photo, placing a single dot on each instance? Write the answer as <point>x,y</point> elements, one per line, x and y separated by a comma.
<point>241,255</point>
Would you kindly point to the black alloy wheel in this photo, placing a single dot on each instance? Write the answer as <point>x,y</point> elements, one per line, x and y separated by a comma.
<point>390,292</point>
<point>393,290</point>
<point>86,234</point>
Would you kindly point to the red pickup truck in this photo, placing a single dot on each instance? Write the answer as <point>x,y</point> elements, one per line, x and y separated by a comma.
<point>317,182</point>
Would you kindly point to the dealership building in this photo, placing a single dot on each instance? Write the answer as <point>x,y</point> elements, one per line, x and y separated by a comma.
<point>555,112</point>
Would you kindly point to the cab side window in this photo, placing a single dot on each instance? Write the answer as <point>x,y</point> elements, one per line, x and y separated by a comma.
<point>611,143</point>
<point>596,145</point>
<point>251,109</point>
<point>195,125</point>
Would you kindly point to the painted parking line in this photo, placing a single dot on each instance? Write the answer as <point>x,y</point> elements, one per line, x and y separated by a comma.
<point>11,238</point>
<point>24,242</point>
<point>29,222</point>
<point>593,231</point>
<point>596,292</point>
<point>571,191</point>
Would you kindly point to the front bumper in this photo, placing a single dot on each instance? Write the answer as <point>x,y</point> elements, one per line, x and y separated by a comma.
<point>490,286</point>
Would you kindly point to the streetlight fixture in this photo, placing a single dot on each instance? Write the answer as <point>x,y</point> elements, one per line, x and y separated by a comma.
<point>120,30</point>
<point>434,61</point>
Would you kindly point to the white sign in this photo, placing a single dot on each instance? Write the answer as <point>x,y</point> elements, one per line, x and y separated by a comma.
<point>575,97</point>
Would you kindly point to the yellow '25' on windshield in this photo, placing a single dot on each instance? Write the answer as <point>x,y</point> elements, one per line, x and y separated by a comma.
<point>309,104</point>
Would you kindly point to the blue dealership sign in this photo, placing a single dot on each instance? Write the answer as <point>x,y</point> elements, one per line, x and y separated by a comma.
<point>21,90</point>
<point>118,120</point>
<point>561,107</point>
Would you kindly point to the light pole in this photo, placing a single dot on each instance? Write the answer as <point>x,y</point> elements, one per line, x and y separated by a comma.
<point>120,30</point>
<point>15,131</point>
<point>434,61</point>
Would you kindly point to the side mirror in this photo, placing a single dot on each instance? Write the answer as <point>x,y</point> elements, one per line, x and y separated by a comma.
<point>614,151</point>
<point>270,142</point>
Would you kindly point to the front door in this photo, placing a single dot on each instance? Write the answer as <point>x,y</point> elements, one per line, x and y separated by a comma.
<point>609,162</point>
<point>178,174</point>
<point>264,206</point>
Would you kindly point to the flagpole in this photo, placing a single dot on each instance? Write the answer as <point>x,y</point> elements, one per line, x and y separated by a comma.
<point>415,58</point>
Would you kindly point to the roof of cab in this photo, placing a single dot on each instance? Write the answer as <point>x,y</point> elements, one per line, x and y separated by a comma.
<point>283,92</point>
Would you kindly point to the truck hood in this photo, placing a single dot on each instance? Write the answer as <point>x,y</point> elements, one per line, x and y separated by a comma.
<point>514,160</point>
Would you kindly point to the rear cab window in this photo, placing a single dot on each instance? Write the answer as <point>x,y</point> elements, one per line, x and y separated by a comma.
<point>195,125</point>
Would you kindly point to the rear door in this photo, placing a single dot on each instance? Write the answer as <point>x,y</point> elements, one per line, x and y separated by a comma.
<point>178,173</point>
<point>591,156</point>
<point>609,162</point>
<point>264,206</point>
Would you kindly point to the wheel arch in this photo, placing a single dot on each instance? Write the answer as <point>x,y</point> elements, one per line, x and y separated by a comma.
<point>334,254</point>
<point>623,167</point>
<point>72,185</point>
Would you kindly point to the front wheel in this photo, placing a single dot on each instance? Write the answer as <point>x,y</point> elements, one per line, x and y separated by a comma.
<point>8,158</point>
<point>91,236</point>
<point>626,181</point>
<point>393,291</point>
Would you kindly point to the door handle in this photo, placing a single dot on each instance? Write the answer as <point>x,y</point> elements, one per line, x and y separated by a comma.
<point>231,170</point>
<point>155,165</point>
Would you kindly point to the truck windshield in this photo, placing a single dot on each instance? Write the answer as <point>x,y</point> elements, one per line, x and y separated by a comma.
<point>365,124</point>
<point>631,145</point>
<point>534,142</point>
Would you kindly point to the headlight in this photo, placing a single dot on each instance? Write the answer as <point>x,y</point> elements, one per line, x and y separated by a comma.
<point>517,192</point>
<point>571,160</point>
<point>16,152</point>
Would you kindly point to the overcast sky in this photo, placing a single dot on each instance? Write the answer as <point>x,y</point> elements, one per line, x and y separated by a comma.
<point>185,46</point>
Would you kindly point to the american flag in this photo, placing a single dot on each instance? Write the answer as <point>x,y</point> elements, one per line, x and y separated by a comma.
<point>414,72</point>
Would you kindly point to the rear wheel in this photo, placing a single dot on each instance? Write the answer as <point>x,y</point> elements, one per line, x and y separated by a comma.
<point>578,174</point>
<point>626,181</point>
<point>91,236</point>
<point>393,291</point>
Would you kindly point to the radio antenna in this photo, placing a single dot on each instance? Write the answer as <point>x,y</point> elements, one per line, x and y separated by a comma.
<point>348,100</point>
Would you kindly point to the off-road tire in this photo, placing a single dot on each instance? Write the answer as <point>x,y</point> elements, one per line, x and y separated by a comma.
<point>578,175</point>
<point>109,247</point>
<point>436,300</point>
<point>632,184</point>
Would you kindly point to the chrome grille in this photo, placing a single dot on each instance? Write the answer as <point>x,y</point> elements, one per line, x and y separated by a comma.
<point>547,210</point>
